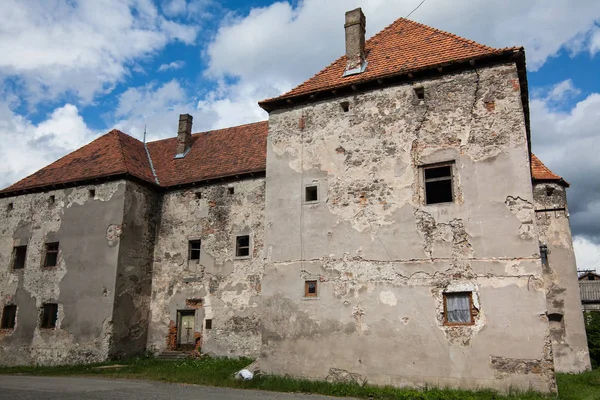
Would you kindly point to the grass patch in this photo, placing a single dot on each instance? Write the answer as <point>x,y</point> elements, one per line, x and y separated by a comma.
<point>219,372</point>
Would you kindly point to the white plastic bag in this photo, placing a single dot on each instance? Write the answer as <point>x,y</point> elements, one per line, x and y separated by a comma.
<point>245,375</point>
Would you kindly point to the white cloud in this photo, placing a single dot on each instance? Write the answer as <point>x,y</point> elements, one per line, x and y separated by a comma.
<point>27,147</point>
<point>81,47</point>
<point>562,91</point>
<point>587,254</point>
<point>171,65</point>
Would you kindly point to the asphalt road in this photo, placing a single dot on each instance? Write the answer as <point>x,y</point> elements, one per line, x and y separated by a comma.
<point>53,388</point>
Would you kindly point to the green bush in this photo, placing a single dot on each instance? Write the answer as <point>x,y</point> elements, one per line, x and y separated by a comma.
<point>592,328</point>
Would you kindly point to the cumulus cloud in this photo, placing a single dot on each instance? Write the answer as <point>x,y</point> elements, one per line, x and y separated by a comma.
<point>27,147</point>
<point>171,65</point>
<point>80,47</point>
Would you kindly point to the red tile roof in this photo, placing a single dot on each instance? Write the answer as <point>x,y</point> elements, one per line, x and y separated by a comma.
<point>404,46</point>
<point>223,152</point>
<point>541,173</point>
<point>214,154</point>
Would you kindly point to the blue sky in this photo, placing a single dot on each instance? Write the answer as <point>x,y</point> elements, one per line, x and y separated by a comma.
<point>77,69</point>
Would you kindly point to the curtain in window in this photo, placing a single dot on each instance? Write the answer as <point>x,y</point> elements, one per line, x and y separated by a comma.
<point>458,308</point>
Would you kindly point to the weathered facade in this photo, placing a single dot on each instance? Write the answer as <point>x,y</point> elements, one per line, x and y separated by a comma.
<point>387,224</point>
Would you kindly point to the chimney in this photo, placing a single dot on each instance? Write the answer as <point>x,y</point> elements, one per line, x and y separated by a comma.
<point>184,135</point>
<point>355,25</point>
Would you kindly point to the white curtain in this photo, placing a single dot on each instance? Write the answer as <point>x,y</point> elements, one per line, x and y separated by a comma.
<point>458,308</point>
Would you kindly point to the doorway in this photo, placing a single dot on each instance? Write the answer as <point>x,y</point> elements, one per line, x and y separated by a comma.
<point>185,329</point>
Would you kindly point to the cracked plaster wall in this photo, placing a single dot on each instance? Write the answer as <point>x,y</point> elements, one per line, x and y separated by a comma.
<point>383,259</point>
<point>82,284</point>
<point>219,286</point>
<point>569,340</point>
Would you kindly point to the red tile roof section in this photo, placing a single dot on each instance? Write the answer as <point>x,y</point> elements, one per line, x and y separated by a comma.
<point>540,172</point>
<point>223,152</point>
<point>404,46</point>
<point>219,153</point>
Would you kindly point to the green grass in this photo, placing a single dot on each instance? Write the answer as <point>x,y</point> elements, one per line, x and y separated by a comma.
<point>219,372</point>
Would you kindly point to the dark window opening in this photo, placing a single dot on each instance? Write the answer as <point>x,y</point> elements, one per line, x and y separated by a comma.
<point>345,106</point>
<point>194,249</point>
<point>549,191</point>
<point>311,193</point>
<point>19,255</point>
<point>310,289</point>
<point>438,185</point>
<point>49,316</point>
<point>591,277</point>
<point>544,255</point>
<point>231,190</point>
<point>51,200</point>
<point>92,193</point>
<point>198,195</point>
<point>10,206</point>
<point>208,324</point>
<point>555,317</point>
<point>242,246</point>
<point>51,259</point>
<point>420,92</point>
<point>9,317</point>
<point>458,308</point>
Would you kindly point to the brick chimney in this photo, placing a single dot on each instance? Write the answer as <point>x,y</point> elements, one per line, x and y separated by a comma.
<point>184,135</point>
<point>355,25</point>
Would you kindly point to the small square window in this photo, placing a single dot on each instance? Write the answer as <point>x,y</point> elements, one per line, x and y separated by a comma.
<point>10,207</point>
<point>231,190</point>
<point>51,200</point>
<point>9,316</point>
<point>51,258</point>
<point>311,193</point>
<point>208,324</point>
<point>345,106</point>
<point>458,308</point>
<point>194,249</point>
<point>49,316</point>
<point>198,195</point>
<point>242,246</point>
<point>19,256</point>
<point>310,289</point>
<point>92,193</point>
<point>438,184</point>
<point>420,92</point>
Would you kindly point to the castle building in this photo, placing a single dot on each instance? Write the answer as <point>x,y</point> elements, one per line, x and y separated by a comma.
<point>388,223</point>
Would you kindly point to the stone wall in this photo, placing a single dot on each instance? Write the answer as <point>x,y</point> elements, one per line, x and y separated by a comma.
<point>134,273</point>
<point>219,287</point>
<point>383,259</point>
<point>567,328</point>
<point>87,227</point>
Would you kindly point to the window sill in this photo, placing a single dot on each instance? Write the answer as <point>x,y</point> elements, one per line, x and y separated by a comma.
<point>455,324</point>
<point>310,298</point>
<point>242,257</point>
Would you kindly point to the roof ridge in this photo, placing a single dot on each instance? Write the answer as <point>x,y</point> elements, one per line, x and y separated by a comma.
<point>117,132</point>
<point>212,130</point>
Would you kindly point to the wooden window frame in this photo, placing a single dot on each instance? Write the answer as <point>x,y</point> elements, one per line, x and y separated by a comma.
<point>191,249</point>
<point>14,258</point>
<point>9,324</point>
<point>238,247</point>
<point>307,293</point>
<point>446,322</point>
<point>48,319</point>
<point>449,164</point>
<point>47,251</point>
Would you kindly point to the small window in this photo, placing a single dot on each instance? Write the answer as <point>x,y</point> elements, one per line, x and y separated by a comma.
<point>311,193</point>
<point>198,195</point>
<point>10,207</point>
<point>438,184</point>
<point>51,200</point>
<point>345,106</point>
<point>51,259</point>
<point>544,255</point>
<point>194,247</point>
<point>231,190</point>
<point>549,191</point>
<point>458,308</point>
<point>420,92</point>
<point>208,324</point>
<point>92,193</point>
<point>49,316</point>
<point>19,255</point>
<point>242,246</point>
<point>310,289</point>
<point>9,317</point>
